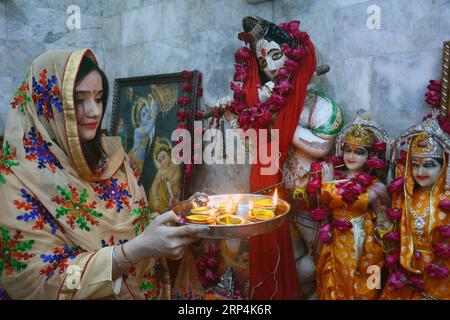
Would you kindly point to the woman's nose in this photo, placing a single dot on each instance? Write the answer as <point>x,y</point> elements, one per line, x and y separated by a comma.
<point>92,109</point>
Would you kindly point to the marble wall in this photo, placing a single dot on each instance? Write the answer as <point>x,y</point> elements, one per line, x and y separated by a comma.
<point>384,71</point>
<point>29,28</point>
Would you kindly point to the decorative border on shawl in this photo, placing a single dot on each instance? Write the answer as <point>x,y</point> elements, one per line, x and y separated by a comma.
<point>70,119</point>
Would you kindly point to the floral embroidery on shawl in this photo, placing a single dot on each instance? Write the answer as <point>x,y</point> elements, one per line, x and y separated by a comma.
<point>21,98</point>
<point>46,95</point>
<point>153,285</point>
<point>34,210</point>
<point>59,260</point>
<point>76,208</point>
<point>112,242</point>
<point>4,295</point>
<point>6,162</point>
<point>114,193</point>
<point>38,149</point>
<point>13,252</point>
<point>143,218</point>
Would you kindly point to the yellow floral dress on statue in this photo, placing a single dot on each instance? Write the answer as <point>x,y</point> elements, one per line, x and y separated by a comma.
<point>342,264</point>
<point>422,256</point>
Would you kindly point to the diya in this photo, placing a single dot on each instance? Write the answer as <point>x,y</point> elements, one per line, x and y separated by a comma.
<point>232,216</point>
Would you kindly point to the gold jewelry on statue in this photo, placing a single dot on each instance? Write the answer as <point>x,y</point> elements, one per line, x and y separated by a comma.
<point>425,146</point>
<point>419,221</point>
<point>427,296</point>
<point>360,136</point>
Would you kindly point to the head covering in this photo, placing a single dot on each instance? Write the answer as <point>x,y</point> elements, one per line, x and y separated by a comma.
<point>56,212</point>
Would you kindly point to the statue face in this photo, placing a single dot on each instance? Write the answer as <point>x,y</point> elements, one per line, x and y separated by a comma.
<point>355,156</point>
<point>270,57</point>
<point>163,158</point>
<point>425,170</point>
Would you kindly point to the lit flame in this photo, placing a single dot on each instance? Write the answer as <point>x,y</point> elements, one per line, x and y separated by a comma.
<point>229,206</point>
<point>250,206</point>
<point>275,198</point>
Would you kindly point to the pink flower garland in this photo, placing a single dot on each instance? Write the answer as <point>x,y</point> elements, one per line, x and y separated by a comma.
<point>183,116</point>
<point>206,266</point>
<point>262,113</point>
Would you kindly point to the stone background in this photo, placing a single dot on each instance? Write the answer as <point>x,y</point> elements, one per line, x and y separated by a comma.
<point>383,71</point>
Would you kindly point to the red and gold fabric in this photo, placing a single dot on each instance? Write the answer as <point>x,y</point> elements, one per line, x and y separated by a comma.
<point>342,264</point>
<point>416,250</point>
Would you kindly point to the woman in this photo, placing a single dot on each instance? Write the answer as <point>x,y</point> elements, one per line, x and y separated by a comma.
<point>73,222</point>
<point>418,241</point>
<point>356,201</point>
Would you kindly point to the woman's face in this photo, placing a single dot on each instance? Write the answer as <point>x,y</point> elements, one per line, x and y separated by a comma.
<point>425,171</point>
<point>163,159</point>
<point>270,57</point>
<point>89,105</point>
<point>355,156</point>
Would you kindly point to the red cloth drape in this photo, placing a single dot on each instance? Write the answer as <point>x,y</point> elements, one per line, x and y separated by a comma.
<point>264,251</point>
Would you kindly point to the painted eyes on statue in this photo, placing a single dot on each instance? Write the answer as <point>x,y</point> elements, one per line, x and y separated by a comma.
<point>274,54</point>
<point>262,63</point>
<point>427,164</point>
<point>359,151</point>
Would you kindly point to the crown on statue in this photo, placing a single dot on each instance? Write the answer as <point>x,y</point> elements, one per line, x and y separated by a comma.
<point>361,136</point>
<point>424,145</point>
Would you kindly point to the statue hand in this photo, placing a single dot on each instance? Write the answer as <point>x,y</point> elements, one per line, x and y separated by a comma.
<point>224,102</point>
<point>327,171</point>
<point>265,91</point>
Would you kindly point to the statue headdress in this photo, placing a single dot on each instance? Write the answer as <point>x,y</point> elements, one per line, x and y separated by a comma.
<point>428,140</point>
<point>258,28</point>
<point>363,131</point>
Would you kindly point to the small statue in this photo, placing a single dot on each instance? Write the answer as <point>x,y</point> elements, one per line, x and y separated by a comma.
<point>227,283</point>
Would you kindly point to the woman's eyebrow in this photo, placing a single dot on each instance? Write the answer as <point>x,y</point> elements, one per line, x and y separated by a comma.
<point>87,91</point>
<point>273,50</point>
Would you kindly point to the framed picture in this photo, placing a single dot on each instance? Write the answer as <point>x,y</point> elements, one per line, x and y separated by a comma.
<point>144,116</point>
<point>445,89</point>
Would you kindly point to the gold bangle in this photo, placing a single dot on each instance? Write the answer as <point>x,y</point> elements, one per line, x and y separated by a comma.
<point>127,260</point>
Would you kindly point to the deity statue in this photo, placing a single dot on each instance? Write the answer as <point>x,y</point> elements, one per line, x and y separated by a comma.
<point>351,204</point>
<point>270,86</point>
<point>317,125</point>
<point>417,242</point>
<point>226,283</point>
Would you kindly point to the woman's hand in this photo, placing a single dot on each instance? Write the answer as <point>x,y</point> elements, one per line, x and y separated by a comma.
<point>161,240</point>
